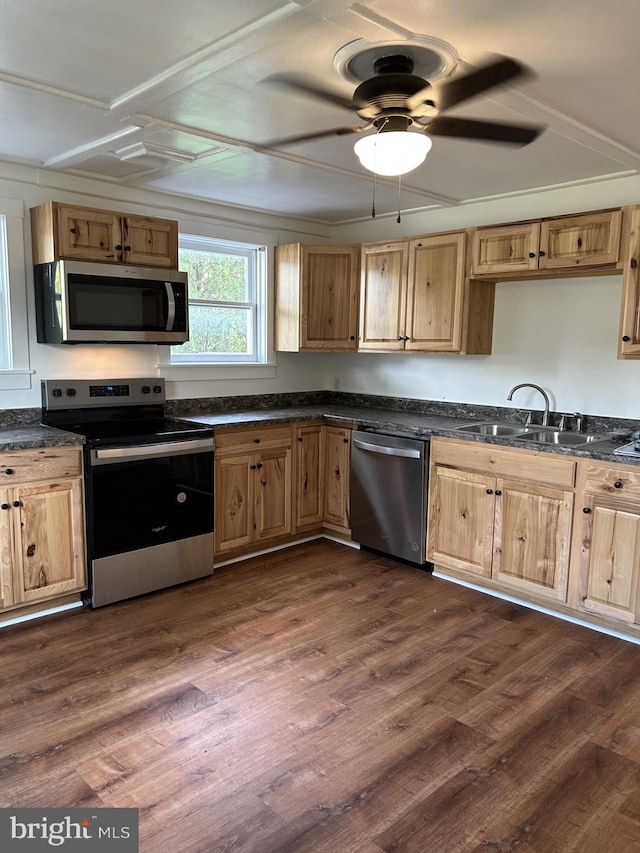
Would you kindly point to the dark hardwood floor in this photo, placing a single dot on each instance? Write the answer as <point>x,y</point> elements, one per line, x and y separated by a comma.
<point>325,699</point>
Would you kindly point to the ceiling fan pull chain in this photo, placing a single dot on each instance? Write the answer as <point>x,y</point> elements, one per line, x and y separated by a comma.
<point>373,205</point>
<point>399,220</point>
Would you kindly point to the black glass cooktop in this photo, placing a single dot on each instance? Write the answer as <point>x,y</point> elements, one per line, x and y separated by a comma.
<point>137,432</point>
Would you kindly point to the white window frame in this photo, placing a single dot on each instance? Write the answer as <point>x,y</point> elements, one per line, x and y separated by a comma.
<point>16,374</point>
<point>261,364</point>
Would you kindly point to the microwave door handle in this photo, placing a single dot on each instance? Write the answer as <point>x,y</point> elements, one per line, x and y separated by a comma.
<point>171,306</point>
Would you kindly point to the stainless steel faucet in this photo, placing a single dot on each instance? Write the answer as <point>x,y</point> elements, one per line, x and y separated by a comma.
<point>545,414</point>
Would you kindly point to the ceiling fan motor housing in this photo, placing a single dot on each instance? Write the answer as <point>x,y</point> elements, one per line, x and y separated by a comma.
<point>389,92</point>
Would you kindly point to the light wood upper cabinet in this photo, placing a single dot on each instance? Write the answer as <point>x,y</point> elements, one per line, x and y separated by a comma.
<point>606,568</point>
<point>253,476</point>
<point>316,297</point>
<point>558,244</point>
<point>629,339</point>
<point>41,526</point>
<point>504,515</point>
<point>383,295</point>
<point>82,233</point>
<point>415,296</point>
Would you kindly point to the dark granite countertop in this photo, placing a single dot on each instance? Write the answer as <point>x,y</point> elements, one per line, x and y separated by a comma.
<point>27,436</point>
<point>419,424</point>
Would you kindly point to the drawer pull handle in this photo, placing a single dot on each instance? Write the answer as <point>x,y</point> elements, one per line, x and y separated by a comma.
<point>586,510</point>
<point>617,484</point>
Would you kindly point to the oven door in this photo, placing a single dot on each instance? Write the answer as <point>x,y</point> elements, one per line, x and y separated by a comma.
<point>150,517</point>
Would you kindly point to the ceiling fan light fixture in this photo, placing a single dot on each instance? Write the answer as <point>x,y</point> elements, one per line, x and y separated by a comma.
<point>393,152</point>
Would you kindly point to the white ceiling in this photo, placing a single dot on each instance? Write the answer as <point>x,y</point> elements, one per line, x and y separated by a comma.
<point>109,90</point>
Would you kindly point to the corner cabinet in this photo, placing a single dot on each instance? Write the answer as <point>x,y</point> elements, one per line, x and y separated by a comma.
<point>253,477</point>
<point>61,231</point>
<point>415,296</point>
<point>316,298</point>
<point>558,244</point>
<point>502,515</point>
<point>42,553</point>
<point>606,575</point>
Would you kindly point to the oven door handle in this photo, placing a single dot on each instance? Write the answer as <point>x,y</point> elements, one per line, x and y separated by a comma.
<point>145,451</point>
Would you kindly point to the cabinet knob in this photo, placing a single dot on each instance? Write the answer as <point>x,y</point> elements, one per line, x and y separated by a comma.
<point>586,510</point>
<point>400,338</point>
<point>118,248</point>
<point>489,491</point>
<point>259,465</point>
<point>345,441</point>
<point>127,248</point>
<point>498,492</point>
<point>532,254</point>
<point>300,438</point>
<point>4,506</point>
<point>257,440</point>
<point>617,484</point>
<point>541,253</point>
<point>633,263</point>
<point>626,338</point>
<point>253,467</point>
<point>17,503</point>
<point>8,470</point>
<point>352,337</point>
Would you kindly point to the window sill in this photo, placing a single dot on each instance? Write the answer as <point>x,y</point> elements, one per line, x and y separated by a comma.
<point>211,372</point>
<point>15,380</point>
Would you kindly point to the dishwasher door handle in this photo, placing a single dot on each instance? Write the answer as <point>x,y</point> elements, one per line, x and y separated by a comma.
<point>387,451</point>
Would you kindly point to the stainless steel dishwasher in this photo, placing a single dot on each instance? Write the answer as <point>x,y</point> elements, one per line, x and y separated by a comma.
<point>389,493</point>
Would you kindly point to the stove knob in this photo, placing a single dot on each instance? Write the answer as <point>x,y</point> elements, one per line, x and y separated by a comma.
<point>57,392</point>
<point>71,392</point>
<point>146,389</point>
<point>157,389</point>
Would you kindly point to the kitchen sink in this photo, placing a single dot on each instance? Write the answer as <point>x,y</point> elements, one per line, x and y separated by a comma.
<point>562,439</point>
<point>489,428</point>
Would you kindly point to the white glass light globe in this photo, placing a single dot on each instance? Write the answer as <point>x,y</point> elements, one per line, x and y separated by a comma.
<point>394,152</point>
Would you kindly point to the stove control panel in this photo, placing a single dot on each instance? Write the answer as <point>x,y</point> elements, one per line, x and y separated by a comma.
<point>90,393</point>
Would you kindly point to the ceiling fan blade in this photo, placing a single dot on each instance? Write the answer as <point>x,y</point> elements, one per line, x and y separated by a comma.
<point>303,86</point>
<point>466,128</point>
<point>475,82</point>
<point>321,134</point>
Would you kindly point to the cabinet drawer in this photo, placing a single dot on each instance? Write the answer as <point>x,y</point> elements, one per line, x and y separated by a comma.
<point>46,463</point>
<point>537,467</point>
<point>611,480</point>
<point>252,440</point>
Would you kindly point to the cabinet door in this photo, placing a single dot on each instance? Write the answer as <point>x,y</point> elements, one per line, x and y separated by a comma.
<point>506,248</point>
<point>273,494</point>
<point>629,344</point>
<point>309,476</point>
<point>532,537</point>
<point>338,459</point>
<point>48,540</point>
<point>6,555</point>
<point>383,296</point>
<point>234,498</point>
<point>435,293</point>
<point>610,558</point>
<point>91,235</point>
<point>150,242</point>
<point>592,239</point>
<point>461,518</point>
<point>329,319</point>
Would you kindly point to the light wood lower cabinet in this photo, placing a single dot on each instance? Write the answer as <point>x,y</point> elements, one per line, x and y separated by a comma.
<point>253,476</point>
<point>337,486</point>
<point>42,554</point>
<point>605,580</point>
<point>503,515</point>
<point>323,460</point>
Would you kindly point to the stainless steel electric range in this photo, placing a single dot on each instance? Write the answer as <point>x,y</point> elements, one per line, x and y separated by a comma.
<point>148,484</point>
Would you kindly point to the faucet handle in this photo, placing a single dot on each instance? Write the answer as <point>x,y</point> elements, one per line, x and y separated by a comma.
<point>579,421</point>
<point>562,422</point>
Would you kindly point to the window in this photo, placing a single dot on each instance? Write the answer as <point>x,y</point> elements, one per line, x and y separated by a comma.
<point>227,302</point>
<point>14,346</point>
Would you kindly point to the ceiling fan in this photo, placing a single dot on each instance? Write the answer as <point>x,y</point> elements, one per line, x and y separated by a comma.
<point>395,99</point>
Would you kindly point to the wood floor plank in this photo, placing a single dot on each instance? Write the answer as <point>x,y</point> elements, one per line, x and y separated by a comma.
<point>327,700</point>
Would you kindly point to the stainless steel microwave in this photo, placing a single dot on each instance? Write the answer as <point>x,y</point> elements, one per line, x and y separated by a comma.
<point>82,302</point>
